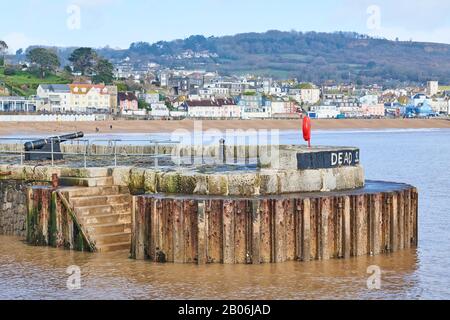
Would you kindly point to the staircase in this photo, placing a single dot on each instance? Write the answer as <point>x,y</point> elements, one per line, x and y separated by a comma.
<point>102,209</point>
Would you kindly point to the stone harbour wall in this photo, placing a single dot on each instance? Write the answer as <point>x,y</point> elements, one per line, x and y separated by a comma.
<point>13,208</point>
<point>192,181</point>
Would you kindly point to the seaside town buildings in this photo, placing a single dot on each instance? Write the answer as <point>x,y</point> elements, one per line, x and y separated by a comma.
<point>81,98</point>
<point>17,104</point>
<point>212,108</point>
<point>167,93</point>
<point>128,103</point>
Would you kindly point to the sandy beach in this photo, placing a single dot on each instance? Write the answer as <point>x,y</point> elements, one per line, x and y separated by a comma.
<point>124,126</point>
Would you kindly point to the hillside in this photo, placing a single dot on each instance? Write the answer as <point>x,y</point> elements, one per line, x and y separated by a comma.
<point>311,56</point>
<point>23,83</point>
<point>308,56</point>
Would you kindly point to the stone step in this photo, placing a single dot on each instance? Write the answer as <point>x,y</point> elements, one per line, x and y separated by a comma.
<point>99,229</point>
<point>93,210</point>
<point>121,246</point>
<point>100,200</point>
<point>124,217</point>
<point>102,209</point>
<point>86,172</point>
<point>112,238</point>
<point>86,182</point>
<point>75,192</point>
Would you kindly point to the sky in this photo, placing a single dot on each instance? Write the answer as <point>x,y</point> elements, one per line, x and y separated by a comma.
<point>118,23</point>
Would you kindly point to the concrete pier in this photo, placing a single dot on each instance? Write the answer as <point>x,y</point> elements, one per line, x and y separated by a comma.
<point>294,204</point>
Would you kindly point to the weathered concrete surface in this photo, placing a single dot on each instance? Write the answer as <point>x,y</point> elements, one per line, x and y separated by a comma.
<point>246,183</point>
<point>13,208</point>
<point>191,181</point>
<point>301,227</point>
<point>275,171</point>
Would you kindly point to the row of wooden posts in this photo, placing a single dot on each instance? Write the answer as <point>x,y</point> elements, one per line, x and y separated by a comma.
<point>51,221</point>
<point>239,231</point>
<point>273,230</point>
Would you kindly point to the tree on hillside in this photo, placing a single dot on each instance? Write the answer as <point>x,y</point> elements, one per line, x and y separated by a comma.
<point>305,85</point>
<point>45,59</point>
<point>104,72</point>
<point>3,46</point>
<point>84,60</point>
<point>3,49</point>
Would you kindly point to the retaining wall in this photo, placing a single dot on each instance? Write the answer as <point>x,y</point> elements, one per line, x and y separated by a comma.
<point>13,208</point>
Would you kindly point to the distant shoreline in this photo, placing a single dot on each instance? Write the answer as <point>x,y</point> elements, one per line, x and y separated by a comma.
<point>160,126</point>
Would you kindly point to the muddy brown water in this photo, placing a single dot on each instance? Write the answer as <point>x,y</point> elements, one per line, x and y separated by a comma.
<point>40,273</point>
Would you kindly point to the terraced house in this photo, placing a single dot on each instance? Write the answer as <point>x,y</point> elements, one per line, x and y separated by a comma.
<point>78,98</point>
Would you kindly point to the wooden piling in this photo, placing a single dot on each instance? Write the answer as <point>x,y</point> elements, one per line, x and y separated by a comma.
<point>214,211</point>
<point>202,255</point>
<point>346,228</point>
<point>256,232</point>
<point>306,230</point>
<point>280,232</point>
<point>274,230</point>
<point>266,233</point>
<point>324,243</point>
<point>240,228</point>
<point>228,233</point>
<point>376,224</point>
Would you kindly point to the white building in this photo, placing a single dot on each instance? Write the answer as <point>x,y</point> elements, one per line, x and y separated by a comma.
<point>283,107</point>
<point>419,100</point>
<point>324,112</point>
<point>432,88</point>
<point>214,90</point>
<point>307,96</point>
<point>440,105</point>
<point>151,97</point>
<point>178,114</point>
<point>369,100</point>
<point>17,104</point>
<point>213,108</point>
<point>80,98</point>
<point>159,110</point>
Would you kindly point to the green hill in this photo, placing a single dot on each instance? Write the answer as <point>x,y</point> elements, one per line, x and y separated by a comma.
<point>24,83</point>
<point>310,57</point>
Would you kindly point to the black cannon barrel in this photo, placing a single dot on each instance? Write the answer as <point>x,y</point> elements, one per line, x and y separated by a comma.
<point>38,144</point>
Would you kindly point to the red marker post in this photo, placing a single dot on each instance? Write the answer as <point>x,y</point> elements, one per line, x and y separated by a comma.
<point>307,130</point>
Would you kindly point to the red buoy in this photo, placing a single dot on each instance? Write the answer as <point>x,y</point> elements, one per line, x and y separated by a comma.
<point>307,130</point>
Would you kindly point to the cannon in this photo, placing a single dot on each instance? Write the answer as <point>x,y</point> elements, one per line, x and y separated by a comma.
<point>42,149</point>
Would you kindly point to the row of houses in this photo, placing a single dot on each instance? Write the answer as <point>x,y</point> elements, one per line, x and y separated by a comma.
<point>207,85</point>
<point>419,105</point>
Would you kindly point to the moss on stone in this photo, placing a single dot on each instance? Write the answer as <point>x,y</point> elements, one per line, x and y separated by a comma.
<point>188,184</point>
<point>53,229</point>
<point>242,184</point>
<point>217,185</point>
<point>170,182</point>
<point>150,181</point>
<point>137,181</point>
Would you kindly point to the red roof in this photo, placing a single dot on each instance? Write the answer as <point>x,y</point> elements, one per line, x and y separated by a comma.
<point>126,96</point>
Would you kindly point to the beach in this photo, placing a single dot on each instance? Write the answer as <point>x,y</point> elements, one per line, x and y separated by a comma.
<point>165,126</point>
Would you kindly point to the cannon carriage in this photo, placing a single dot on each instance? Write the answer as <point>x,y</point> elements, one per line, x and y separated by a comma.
<point>48,149</point>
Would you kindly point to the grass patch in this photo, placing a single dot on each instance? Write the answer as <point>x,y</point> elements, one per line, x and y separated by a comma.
<point>25,83</point>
